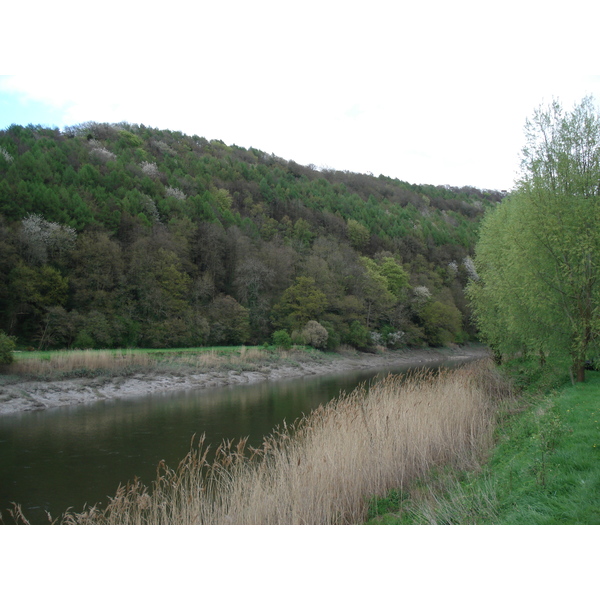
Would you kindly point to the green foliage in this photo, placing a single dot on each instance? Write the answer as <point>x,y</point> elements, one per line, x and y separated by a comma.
<point>300,303</point>
<point>441,323</point>
<point>229,321</point>
<point>358,335</point>
<point>542,471</point>
<point>127,138</point>
<point>538,253</point>
<point>148,228</point>
<point>282,339</point>
<point>359,235</point>
<point>396,277</point>
<point>7,346</point>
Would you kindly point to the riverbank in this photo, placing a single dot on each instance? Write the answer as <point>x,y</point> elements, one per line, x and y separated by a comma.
<point>324,468</point>
<point>543,470</point>
<point>19,394</point>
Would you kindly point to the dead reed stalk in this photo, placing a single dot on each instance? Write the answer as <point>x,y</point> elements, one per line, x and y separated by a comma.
<point>324,468</point>
<point>80,360</point>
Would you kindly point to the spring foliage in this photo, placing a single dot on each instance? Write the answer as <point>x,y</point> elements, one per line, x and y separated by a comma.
<point>538,257</point>
<point>119,235</point>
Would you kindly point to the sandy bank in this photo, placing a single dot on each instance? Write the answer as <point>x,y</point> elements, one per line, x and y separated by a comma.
<point>39,395</point>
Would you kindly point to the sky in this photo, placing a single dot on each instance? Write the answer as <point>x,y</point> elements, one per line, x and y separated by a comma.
<point>426,92</point>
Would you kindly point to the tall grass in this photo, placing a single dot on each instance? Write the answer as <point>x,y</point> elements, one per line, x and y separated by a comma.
<point>543,470</point>
<point>67,363</point>
<point>324,468</point>
<point>78,362</point>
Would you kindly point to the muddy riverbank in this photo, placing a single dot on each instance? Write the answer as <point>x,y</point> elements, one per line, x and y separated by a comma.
<point>28,395</point>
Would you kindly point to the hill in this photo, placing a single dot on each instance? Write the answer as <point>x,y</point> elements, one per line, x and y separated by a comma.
<point>117,235</point>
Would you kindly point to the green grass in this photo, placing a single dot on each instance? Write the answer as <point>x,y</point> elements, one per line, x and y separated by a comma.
<point>64,364</point>
<point>544,469</point>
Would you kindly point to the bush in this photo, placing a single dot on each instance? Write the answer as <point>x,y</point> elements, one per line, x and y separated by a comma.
<point>441,322</point>
<point>7,345</point>
<point>315,335</point>
<point>359,335</point>
<point>282,339</point>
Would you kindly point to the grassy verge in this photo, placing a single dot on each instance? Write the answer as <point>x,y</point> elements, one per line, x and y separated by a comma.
<point>56,365</point>
<point>323,469</point>
<point>544,469</point>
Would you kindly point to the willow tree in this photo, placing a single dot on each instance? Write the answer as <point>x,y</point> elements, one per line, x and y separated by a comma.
<point>538,256</point>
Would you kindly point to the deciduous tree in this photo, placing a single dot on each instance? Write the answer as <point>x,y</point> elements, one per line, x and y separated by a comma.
<point>538,258</point>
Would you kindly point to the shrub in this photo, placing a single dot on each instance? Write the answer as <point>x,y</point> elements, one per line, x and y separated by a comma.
<point>441,322</point>
<point>359,335</point>
<point>315,335</point>
<point>282,339</point>
<point>7,345</point>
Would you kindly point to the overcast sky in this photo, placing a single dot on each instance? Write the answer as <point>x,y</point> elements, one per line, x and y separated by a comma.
<point>428,92</point>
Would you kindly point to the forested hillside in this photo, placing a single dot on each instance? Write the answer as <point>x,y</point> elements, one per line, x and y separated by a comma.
<point>123,235</point>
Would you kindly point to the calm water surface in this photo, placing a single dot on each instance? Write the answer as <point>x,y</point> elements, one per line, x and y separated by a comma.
<point>66,457</point>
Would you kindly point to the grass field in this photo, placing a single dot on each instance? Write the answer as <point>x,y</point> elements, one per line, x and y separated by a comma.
<point>544,470</point>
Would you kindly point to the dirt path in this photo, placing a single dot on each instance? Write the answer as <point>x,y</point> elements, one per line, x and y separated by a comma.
<point>39,395</point>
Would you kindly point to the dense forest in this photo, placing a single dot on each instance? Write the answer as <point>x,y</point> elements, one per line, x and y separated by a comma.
<point>120,235</point>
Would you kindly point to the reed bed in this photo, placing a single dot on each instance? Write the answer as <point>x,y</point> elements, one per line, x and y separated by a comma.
<point>214,359</point>
<point>66,363</point>
<point>324,468</point>
<point>79,361</point>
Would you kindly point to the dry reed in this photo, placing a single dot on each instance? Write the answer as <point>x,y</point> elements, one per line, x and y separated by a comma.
<point>324,468</point>
<point>114,362</point>
<point>71,361</point>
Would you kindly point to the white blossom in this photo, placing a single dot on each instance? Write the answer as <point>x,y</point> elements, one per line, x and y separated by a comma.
<point>149,207</point>
<point>395,339</point>
<point>175,193</point>
<point>99,151</point>
<point>421,294</point>
<point>42,238</point>
<point>149,169</point>
<point>164,148</point>
<point>376,338</point>
<point>6,154</point>
<point>470,268</point>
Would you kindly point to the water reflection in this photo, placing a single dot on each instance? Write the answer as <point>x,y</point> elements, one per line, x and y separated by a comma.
<point>65,457</point>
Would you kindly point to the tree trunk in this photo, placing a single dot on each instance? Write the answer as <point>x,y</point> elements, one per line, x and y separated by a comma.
<point>580,370</point>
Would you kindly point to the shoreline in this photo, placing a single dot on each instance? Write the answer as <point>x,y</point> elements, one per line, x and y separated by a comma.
<point>29,396</point>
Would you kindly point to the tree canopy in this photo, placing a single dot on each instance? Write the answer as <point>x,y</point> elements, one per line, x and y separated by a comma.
<point>119,234</point>
<point>538,256</point>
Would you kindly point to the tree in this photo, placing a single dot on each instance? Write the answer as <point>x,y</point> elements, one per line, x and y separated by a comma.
<point>42,239</point>
<point>538,257</point>
<point>441,323</point>
<point>358,234</point>
<point>375,290</point>
<point>7,345</point>
<point>300,303</point>
<point>396,277</point>
<point>229,323</point>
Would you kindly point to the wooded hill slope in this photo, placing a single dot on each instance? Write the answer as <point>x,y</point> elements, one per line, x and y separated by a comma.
<point>116,235</point>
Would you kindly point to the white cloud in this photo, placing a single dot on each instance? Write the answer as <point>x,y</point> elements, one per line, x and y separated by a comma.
<point>429,92</point>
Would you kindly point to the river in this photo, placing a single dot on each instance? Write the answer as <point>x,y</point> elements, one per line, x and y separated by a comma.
<point>67,457</point>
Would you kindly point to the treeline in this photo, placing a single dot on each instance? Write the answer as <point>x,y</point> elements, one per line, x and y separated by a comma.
<point>123,235</point>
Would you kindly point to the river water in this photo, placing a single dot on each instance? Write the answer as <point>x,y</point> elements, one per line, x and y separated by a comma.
<point>67,457</point>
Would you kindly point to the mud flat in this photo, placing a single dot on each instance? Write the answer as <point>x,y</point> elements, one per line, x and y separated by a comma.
<point>39,395</point>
